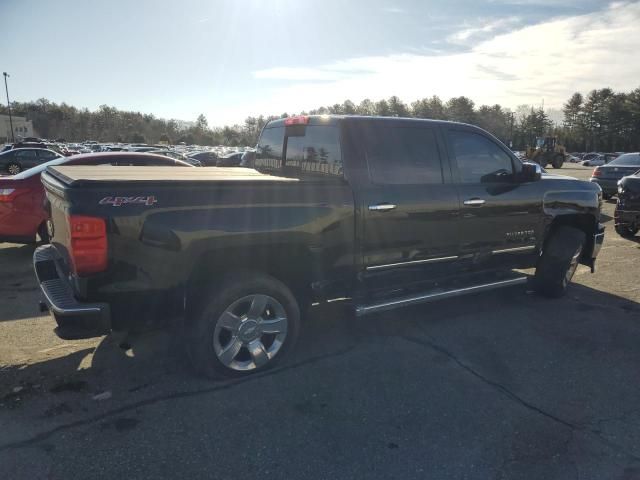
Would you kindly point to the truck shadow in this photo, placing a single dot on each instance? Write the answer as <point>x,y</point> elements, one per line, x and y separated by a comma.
<point>135,362</point>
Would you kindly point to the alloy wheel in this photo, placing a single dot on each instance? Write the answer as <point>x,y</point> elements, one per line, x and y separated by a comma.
<point>250,332</point>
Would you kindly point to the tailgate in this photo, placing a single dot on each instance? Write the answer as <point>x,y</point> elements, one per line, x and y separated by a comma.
<point>121,205</point>
<point>57,205</point>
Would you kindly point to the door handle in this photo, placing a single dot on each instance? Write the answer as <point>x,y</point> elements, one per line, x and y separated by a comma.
<point>474,202</point>
<point>382,207</point>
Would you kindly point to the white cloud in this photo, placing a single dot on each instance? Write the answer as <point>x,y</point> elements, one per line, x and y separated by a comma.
<point>546,61</point>
<point>482,30</point>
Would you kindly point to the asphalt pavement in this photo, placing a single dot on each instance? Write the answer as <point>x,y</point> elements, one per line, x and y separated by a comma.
<point>500,385</point>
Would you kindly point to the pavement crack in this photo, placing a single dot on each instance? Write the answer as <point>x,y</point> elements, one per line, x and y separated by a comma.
<point>498,386</point>
<point>171,396</point>
<point>598,435</point>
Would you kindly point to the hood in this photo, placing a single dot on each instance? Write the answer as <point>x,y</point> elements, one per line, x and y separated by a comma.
<point>553,176</point>
<point>631,183</point>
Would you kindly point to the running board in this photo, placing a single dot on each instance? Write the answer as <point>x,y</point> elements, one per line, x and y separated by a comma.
<point>439,295</point>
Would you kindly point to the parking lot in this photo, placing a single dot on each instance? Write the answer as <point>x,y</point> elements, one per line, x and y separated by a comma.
<point>497,385</point>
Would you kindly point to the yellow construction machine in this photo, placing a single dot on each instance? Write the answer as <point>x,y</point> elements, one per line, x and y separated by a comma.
<point>547,151</point>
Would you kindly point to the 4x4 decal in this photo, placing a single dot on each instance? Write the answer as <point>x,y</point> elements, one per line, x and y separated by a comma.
<point>119,201</point>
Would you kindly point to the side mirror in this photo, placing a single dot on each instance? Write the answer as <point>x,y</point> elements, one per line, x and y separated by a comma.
<point>531,172</point>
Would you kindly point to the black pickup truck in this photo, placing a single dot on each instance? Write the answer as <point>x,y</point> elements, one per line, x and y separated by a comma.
<point>381,212</point>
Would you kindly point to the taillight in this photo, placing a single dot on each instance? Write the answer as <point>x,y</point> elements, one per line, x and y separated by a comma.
<point>9,194</point>
<point>299,120</point>
<point>88,244</point>
<point>596,172</point>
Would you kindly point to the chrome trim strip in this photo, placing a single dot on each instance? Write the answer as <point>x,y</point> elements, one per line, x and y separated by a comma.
<point>474,202</point>
<point>382,207</point>
<point>366,309</point>
<point>515,249</point>
<point>412,262</point>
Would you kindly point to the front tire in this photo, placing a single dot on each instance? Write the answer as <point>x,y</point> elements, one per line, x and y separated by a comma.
<point>246,324</point>
<point>559,262</point>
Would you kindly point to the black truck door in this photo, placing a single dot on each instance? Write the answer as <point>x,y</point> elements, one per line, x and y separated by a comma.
<point>501,217</point>
<point>408,206</point>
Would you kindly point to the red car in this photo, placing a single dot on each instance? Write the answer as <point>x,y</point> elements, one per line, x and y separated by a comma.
<point>22,199</point>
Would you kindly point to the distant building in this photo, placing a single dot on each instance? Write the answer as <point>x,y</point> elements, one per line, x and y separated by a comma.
<point>22,128</point>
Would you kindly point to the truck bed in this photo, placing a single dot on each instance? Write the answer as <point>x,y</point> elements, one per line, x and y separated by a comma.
<point>80,174</point>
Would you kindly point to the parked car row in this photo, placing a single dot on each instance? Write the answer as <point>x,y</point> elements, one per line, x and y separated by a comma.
<point>25,154</point>
<point>210,158</point>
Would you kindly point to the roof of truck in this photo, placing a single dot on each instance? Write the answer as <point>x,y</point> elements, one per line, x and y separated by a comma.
<point>332,119</point>
<point>106,173</point>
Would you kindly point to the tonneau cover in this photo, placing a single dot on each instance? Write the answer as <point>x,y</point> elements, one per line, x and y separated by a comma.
<point>72,174</point>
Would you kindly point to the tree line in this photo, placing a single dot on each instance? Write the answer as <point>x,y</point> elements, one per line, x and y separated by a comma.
<point>602,120</point>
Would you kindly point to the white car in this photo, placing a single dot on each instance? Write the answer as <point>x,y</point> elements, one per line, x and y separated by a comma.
<point>594,162</point>
<point>600,160</point>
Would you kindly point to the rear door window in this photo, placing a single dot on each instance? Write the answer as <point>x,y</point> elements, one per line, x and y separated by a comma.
<point>314,153</point>
<point>25,155</point>
<point>402,155</point>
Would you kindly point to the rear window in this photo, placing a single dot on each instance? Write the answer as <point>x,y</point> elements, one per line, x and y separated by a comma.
<point>632,159</point>
<point>312,152</point>
<point>269,151</point>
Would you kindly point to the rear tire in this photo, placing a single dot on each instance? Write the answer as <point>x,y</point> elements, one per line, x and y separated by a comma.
<point>559,262</point>
<point>246,324</point>
<point>626,231</point>
<point>13,168</point>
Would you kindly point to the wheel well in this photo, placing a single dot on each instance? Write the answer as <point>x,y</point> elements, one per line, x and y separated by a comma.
<point>581,221</point>
<point>289,264</point>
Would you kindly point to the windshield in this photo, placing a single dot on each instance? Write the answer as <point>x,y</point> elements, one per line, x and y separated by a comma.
<point>630,159</point>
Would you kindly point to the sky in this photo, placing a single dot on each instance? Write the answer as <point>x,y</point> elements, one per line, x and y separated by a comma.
<point>229,59</point>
